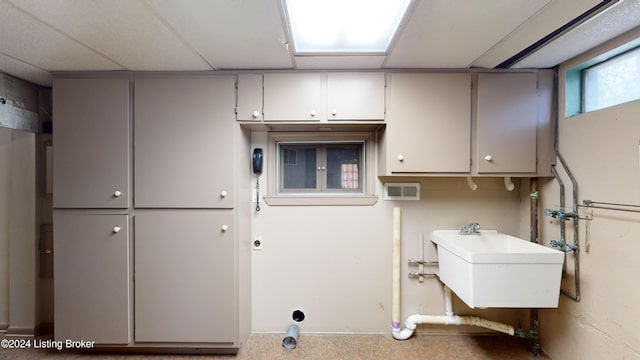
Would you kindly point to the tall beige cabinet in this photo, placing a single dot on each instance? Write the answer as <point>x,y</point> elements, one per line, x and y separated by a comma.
<point>155,259</point>
<point>91,198</point>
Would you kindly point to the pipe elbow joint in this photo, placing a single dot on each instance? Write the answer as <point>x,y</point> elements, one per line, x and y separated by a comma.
<point>412,322</point>
<point>409,326</point>
<point>403,334</point>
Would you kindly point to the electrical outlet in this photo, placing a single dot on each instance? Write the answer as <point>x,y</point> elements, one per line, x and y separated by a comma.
<point>257,242</point>
<point>255,194</point>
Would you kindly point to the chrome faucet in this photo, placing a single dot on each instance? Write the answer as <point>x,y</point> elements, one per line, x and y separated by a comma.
<point>470,229</point>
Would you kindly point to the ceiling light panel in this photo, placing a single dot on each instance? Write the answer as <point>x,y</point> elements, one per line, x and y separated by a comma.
<point>343,26</point>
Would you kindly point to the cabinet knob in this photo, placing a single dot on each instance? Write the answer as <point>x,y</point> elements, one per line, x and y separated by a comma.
<point>116,229</point>
<point>256,114</point>
<point>223,193</point>
<point>117,193</point>
<point>224,227</point>
<point>313,113</point>
<point>334,112</point>
<point>400,158</point>
<point>488,157</point>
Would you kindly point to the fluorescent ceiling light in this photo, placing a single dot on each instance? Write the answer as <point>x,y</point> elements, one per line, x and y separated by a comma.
<point>344,26</point>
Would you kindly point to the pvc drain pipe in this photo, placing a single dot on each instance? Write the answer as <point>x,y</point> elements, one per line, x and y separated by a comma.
<point>450,319</point>
<point>395,301</point>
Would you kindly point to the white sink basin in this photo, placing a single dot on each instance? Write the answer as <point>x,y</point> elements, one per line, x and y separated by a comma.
<point>491,269</point>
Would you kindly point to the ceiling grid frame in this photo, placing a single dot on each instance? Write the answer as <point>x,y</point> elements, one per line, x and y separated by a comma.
<point>42,37</point>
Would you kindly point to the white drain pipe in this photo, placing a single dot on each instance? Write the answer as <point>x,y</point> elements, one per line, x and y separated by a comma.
<point>448,319</point>
<point>395,300</point>
<point>413,321</point>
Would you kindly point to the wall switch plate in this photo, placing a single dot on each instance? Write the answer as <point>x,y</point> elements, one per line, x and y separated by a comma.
<point>257,243</point>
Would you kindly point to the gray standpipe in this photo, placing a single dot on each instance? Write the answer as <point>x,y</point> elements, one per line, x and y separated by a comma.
<point>291,338</point>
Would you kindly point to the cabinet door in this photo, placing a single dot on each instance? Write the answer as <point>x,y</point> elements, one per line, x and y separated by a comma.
<point>91,273</point>
<point>429,123</point>
<point>293,97</point>
<point>249,97</point>
<point>183,142</point>
<point>185,275</point>
<point>355,96</point>
<point>507,121</point>
<point>91,154</point>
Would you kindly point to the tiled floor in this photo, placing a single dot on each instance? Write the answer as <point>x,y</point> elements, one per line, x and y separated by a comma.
<point>327,347</point>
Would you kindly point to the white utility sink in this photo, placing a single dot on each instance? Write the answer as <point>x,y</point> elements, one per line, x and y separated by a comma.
<point>491,269</point>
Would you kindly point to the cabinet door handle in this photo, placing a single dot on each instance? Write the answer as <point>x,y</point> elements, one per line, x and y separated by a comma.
<point>488,157</point>
<point>116,229</point>
<point>256,114</point>
<point>334,112</point>
<point>224,227</point>
<point>223,193</point>
<point>117,193</point>
<point>400,157</point>
<point>313,113</point>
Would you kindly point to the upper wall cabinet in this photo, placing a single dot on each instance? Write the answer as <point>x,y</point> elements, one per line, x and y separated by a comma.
<point>340,96</point>
<point>355,96</point>
<point>183,142</point>
<point>293,97</point>
<point>428,124</point>
<point>507,123</point>
<point>91,157</point>
<point>249,97</point>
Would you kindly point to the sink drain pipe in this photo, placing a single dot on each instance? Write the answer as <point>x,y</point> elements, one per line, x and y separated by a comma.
<point>449,318</point>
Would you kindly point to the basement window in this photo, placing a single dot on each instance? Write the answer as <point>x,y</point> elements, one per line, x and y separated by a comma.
<point>606,80</point>
<point>321,169</point>
<point>343,26</point>
<point>612,82</point>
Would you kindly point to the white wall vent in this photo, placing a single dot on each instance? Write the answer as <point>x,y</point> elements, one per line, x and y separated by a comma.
<point>402,191</point>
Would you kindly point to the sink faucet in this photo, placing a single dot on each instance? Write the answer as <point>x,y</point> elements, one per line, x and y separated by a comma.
<point>470,229</point>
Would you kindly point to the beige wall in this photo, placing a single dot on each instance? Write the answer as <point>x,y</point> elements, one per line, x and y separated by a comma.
<point>5,166</point>
<point>602,150</point>
<point>17,232</point>
<point>334,263</point>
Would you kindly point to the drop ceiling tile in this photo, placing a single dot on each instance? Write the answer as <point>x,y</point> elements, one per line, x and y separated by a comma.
<point>125,31</point>
<point>452,34</point>
<point>32,42</point>
<point>24,71</point>
<point>230,34</point>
